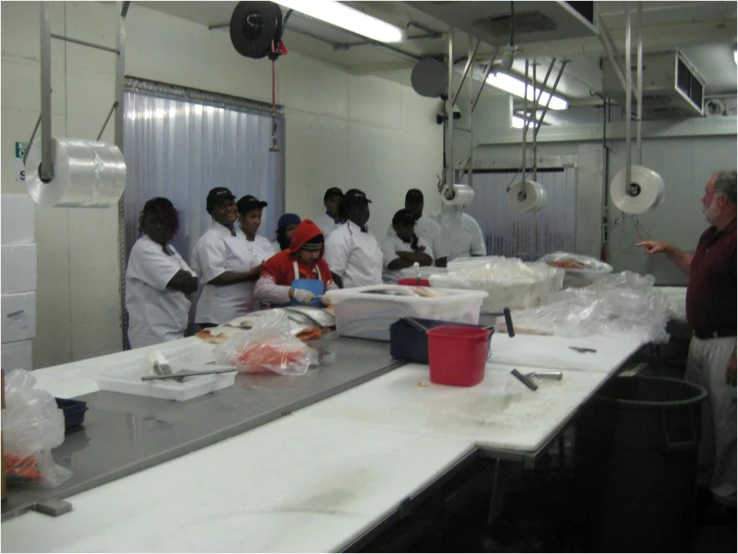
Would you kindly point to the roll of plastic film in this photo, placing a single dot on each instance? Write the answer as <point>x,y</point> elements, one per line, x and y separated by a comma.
<point>644,192</point>
<point>463,195</point>
<point>87,174</point>
<point>526,196</point>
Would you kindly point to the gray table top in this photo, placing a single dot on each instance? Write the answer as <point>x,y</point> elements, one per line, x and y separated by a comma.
<point>124,433</point>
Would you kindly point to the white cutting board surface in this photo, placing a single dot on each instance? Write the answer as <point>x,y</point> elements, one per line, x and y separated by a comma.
<point>288,486</point>
<point>78,378</point>
<point>499,413</point>
<point>555,352</point>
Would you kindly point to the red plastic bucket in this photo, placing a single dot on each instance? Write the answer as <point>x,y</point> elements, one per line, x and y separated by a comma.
<point>413,282</point>
<point>456,355</point>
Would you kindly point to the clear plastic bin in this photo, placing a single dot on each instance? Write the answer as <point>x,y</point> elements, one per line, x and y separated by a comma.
<point>364,315</point>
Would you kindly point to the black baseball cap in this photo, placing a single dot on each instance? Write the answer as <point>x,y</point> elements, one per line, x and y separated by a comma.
<point>403,217</point>
<point>217,196</point>
<point>248,203</point>
<point>331,192</point>
<point>355,196</point>
<point>413,196</point>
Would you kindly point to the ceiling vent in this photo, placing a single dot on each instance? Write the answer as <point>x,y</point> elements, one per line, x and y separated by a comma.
<point>672,88</point>
<point>534,21</point>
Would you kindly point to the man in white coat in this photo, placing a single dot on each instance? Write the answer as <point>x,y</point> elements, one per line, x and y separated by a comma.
<point>330,220</point>
<point>462,231</point>
<point>425,227</point>
<point>352,252</point>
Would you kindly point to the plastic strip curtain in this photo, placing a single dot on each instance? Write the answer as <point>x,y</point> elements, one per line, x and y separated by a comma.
<point>526,235</point>
<point>180,149</point>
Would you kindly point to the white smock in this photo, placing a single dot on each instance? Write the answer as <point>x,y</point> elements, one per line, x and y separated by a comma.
<point>354,256</point>
<point>463,233</point>
<point>216,252</point>
<point>390,247</point>
<point>326,224</point>
<point>156,313</point>
<point>429,229</point>
<point>260,246</point>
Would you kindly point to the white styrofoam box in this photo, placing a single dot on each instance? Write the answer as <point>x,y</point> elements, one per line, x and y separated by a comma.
<point>17,355</point>
<point>128,381</point>
<point>18,316</point>
<point>366,315</point>
<point>18,268</point>
<point>17,219</point>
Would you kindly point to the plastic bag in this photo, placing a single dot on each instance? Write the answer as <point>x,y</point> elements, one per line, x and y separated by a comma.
<point>32,425</point>
<point>581,271</point>
<point>622,303</point>
<point>509,282</point>
<point>269,346</point>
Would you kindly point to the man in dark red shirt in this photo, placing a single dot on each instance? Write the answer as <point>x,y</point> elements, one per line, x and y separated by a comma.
<point>711,313</point>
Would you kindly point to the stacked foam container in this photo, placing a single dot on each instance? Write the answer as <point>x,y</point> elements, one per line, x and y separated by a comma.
<point>18,301</point>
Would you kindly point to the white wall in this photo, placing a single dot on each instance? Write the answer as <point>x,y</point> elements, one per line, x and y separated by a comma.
<point>342,130</point>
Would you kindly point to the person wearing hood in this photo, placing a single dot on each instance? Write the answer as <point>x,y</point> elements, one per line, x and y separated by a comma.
<point>299,274</point>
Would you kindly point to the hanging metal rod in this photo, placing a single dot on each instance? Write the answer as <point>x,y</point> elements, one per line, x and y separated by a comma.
<point>553,90</point>
<point>46,169</point>
<point>107,119</point>
<point>639,83</point>
<point>84,43</point>
<point>30,141</point>
<point>467,67</point>
<point>484,79</point>
<point>612,54</point>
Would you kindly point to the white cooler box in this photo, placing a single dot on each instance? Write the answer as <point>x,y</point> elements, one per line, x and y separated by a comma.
<point>18,316</point>
<point>368,316</point>
<point>17,355</point>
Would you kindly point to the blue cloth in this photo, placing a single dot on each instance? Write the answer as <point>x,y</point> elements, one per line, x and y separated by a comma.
<point>288,219</point>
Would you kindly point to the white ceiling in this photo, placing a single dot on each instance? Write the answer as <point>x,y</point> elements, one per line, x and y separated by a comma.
<point>704,31</point>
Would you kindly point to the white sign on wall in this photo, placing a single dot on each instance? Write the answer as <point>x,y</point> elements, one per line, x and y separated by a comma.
<point>20,168</point>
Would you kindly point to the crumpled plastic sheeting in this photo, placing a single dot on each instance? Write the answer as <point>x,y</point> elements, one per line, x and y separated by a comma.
<point>32,425</point>
<point>622,303</point>
<point>268,346</point>
<point>591,269</point>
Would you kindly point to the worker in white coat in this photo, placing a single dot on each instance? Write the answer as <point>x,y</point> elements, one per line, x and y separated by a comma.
<point>225,263</point>
<point>352,252</point>
<point>404,248</point>
<point>158,280</point>
<point>462,231</point>
<point>250,210</point>
<point>425,227</point>
<point>331,219</point>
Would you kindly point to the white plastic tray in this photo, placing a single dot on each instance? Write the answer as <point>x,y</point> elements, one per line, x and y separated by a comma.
<point>128,381</point>
<point>369,316</point>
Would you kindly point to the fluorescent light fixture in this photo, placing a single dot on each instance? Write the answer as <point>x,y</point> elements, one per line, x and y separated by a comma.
<point>516,87</point>
<point>347,18</point>
<point>735,55</point>
<point>518,122</point>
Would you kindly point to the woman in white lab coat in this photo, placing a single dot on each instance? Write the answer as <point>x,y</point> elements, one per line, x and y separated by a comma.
<point>352,252</point>
<point>158,280</point>
<point>225,263</point>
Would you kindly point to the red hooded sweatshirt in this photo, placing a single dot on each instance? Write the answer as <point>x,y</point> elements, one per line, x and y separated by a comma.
<point>281,268</point>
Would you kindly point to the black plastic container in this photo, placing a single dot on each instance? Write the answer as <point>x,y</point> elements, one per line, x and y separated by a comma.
<point>74,411</point>
<point>410,343</point>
